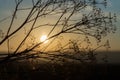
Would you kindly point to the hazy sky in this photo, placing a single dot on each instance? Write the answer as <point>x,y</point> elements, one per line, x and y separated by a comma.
<point>7,7</point>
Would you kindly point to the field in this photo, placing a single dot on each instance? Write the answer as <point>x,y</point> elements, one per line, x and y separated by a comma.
<point>26,70</point>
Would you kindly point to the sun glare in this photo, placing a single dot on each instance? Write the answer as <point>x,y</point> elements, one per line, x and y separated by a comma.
<point>43,38</point>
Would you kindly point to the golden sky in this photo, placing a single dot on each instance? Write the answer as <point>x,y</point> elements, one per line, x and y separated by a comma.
<point>7,8</point>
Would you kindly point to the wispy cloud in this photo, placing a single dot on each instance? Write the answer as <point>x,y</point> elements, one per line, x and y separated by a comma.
<point>109,3</point>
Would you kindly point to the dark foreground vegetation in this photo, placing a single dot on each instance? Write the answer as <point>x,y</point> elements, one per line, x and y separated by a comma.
<point>54,71</point>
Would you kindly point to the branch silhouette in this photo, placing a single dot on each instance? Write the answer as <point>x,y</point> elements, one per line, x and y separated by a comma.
<point>72,16</point>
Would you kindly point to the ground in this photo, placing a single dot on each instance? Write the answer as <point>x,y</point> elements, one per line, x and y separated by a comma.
<point>53,71</point>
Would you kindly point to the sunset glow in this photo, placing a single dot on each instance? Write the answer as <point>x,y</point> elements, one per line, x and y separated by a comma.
<point>43,38</point>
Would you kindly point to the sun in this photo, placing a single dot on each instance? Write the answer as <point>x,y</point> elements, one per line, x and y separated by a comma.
<point>43,38</point>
